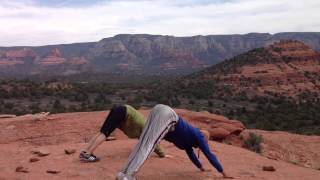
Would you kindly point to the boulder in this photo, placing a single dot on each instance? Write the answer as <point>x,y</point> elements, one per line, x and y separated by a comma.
<point>231,127</point>
<point>219,127</point>
<point>218,133</point>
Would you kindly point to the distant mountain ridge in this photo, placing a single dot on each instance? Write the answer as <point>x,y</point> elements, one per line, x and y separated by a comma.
<point>139,53</point>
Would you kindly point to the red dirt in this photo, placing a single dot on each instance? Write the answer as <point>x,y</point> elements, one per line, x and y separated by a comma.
<point>19,136</point>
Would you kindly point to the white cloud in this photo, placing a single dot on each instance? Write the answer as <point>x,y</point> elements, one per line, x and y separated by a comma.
<point>25,22</point>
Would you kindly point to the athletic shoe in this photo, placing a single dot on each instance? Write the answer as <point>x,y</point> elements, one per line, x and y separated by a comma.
<point>86,157</point>
<point>122,176</point>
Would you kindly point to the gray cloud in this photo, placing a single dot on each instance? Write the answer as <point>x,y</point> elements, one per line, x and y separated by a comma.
<point>26,22</point>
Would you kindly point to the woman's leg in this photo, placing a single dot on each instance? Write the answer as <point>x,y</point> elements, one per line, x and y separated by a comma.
<point>95,142</point>
<point>115,117</point>
<point>159,122</point>
<point>91,141</point>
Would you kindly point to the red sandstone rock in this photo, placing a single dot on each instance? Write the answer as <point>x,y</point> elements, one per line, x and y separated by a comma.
<point>53,171</point>
<point>22,169</point>
<point>206,134</point>
<point>20,53</point>
<point>283,146</point>
<point>41,152</point>
<point>69,151</point>
<point>218,133</point>
<point>55,53</point>
<point>7,116</point>
<point>219,126</point>
<point>34,159</point>
<point>53,58</point>
<point>268,168</point>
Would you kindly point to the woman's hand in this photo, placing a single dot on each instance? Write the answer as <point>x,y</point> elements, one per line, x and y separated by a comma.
<point>204,170</point>
<point>226,176</point>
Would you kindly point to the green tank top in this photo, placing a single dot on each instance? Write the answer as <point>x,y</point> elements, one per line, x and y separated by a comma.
<point>134,123</point>
<point>133,126</point>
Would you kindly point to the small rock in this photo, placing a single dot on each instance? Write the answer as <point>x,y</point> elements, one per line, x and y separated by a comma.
<point>7,116</point>
<point>41,152</point>
<point>69,151</point>
<point>205,112</point>
<point>22,169</point>
<point>111,138</point>
<point>10,127</point>
<point>53,171</point>
<point>268,168</point>
<point>34,159</point>
<point>35,151</point>
<point>273,158</point>
<point>40,116</point>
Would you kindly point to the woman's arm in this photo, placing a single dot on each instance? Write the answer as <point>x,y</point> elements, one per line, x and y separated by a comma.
<point>203,145</point>
<point>193,158</point>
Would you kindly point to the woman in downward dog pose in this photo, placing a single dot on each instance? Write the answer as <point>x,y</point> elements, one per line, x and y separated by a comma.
<point>164,123</point>
<point>124,117</point>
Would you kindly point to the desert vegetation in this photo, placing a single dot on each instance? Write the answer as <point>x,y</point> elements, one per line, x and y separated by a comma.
<point>271,112</point>
<point>253,142</point>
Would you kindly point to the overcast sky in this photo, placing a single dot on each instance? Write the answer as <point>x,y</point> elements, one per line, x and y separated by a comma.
<point>42,22</point>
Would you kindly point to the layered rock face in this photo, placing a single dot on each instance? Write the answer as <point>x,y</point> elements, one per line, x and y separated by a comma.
<point>16,57</point>
<point>53,58</point>
<point>27,61</point>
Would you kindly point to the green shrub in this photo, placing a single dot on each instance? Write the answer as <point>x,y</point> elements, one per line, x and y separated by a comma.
<point>253,142</point>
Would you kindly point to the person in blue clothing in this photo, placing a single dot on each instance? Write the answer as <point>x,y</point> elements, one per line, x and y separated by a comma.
<point>164,123</point>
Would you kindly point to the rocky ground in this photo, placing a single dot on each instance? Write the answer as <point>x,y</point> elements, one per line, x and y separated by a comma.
<point>24,139</point>
<point>293,148</point>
